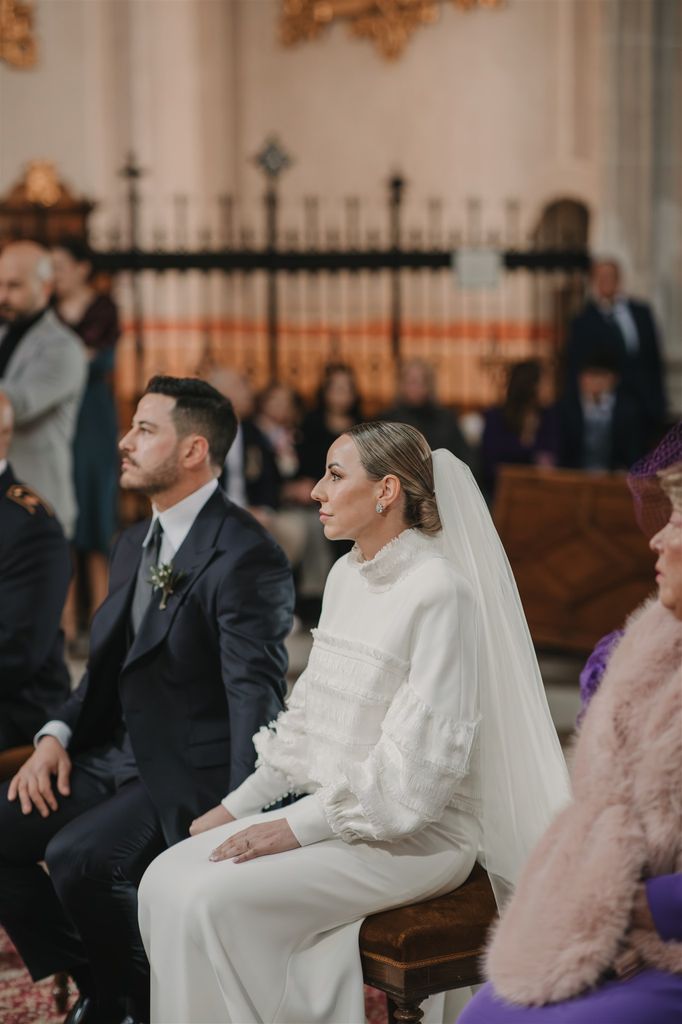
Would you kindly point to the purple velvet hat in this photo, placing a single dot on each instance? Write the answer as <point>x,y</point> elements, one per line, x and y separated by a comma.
<point>652,505</point>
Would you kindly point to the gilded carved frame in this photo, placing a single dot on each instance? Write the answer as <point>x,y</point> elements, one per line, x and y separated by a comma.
<point>389,24</point>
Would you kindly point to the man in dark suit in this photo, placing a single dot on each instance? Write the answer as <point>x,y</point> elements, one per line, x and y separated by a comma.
<point>417,405</point>
<point>35,569</point>
<point>600,426</point>
<point>626,328</point>
<point>187,662</point>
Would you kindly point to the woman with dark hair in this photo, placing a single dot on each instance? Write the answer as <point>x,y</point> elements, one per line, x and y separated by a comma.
<point>337,408</point>
<point>418,739</point>
<point>94,317</point>
<point>521,431</point>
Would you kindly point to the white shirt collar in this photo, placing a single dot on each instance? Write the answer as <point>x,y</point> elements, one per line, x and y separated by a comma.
<point>3,466</point>
<point>178,520</point>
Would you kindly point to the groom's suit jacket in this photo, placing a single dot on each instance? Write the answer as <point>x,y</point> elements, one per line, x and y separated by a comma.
<point>202,675</point>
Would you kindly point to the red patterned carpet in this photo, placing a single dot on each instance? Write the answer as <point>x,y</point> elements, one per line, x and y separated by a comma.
<point>22,1002</point>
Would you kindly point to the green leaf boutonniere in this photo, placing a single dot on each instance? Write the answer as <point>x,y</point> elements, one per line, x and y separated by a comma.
<point>164,579</point>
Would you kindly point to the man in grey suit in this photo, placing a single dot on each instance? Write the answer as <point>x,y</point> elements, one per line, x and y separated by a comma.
<point>42,372</point>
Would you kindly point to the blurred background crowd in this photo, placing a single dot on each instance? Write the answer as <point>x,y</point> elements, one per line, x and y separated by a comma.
<point>487,249</point>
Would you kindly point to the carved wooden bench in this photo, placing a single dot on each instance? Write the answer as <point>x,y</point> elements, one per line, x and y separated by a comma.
<point>435,946</point>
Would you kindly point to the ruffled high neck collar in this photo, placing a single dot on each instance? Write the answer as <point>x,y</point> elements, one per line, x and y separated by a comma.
<point>394,560</point>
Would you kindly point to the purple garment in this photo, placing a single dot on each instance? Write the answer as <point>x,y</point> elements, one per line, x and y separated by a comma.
<point>652,997</point>
<point>664,895</point>
<point>499,444</point>
<point>595,667</point>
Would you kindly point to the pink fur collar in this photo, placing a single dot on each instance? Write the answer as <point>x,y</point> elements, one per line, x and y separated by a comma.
<point>569,919</point>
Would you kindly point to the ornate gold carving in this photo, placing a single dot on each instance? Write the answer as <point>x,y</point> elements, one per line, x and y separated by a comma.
<point>17,42</point>
<point>389,24</point>
<point>42,183</point>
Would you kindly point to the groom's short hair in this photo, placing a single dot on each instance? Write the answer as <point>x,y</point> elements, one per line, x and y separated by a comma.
<point>199,409</point>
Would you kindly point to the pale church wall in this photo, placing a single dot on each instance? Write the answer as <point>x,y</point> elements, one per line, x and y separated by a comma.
<point>532,102</point>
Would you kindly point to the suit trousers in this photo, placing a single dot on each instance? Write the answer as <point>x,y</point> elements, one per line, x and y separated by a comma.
<point>97,846</point>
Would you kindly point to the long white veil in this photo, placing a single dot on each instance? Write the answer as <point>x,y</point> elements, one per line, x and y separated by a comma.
<point>524,781</point>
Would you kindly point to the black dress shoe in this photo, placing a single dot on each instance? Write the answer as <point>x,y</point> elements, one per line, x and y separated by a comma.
<point>82,1011</point>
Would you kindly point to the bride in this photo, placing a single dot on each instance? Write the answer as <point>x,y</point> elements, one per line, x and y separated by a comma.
<point>418,739</point>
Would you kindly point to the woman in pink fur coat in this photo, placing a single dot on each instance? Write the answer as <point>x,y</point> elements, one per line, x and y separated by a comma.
<point>593,934</point>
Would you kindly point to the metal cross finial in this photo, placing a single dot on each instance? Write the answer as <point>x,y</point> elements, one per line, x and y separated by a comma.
<point>132,169</point>
<point>273,158</point>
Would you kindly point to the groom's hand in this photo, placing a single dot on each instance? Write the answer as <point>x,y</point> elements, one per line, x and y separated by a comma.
<point>257,841</point>
<point>33,782</point>
<point>216,816</point>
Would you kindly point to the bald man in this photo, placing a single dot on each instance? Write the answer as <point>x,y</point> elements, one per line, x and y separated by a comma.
<point>34,576</point>
<point>42,373</point>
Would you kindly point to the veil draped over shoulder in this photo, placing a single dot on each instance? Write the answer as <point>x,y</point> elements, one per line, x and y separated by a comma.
<point>524,781</point>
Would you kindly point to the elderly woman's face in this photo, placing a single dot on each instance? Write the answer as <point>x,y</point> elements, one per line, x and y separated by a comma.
<point>668,546</point>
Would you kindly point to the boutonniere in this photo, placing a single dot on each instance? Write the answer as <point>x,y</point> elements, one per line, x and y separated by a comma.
<point>164,579</point>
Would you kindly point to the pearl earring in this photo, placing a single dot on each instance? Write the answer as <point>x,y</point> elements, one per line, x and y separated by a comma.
<point>379,507</point>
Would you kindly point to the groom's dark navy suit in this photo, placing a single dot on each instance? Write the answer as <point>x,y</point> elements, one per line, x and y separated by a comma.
<point>161,730</point>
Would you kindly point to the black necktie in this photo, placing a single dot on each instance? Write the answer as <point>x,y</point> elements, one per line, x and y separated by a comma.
<point>143,584</point>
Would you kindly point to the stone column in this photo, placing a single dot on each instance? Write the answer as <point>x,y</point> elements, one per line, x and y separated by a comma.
<point>640,219</point>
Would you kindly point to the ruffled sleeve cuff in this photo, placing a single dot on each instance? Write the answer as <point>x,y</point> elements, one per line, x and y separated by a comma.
<point>308,821</point>
<point>664,896</point>
<point>264,787</point>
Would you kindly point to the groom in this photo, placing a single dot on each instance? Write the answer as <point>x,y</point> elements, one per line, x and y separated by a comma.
<point>187,661</point>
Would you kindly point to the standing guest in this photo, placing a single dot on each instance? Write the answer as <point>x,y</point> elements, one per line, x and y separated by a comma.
<point>417,405</point>
<point>419,737</point>
<point>34,576</point>
<point>626,328</point>
<point>42,372</point>
<point>593,934</point>
<point>523,430</point>
<point>94,317</point>
<point>599,425</point>
<point>187,660</point>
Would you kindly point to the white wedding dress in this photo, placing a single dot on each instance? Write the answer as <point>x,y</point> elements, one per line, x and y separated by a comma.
<point>381,734</point>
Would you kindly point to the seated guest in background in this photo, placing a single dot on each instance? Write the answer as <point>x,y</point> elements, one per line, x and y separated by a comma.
<point>337,408</point>
<point>278,416</point>
<point>250,476</point>
<point>523,430</point>
<point>626,329</point>
<point>593,934</point>
<point>416,404</point>
<point>42,372</point>
<point>35,569</point>
<point>95,318</point>
<point>187,661</point>
<point>420,716</point>
<point>599,425</point>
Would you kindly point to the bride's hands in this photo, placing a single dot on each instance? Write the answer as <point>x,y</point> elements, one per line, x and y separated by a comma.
<point>257,841</point>
<point>216,816</point>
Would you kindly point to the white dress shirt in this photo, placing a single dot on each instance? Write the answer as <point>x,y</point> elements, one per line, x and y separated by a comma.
<point>3,466</point>
<point>176,522</point>
<point>622,314</point>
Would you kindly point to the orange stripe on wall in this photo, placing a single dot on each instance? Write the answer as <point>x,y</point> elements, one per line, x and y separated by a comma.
<point>484,330</point>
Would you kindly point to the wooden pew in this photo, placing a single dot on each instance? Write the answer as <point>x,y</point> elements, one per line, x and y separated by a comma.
<point>580,561</point>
